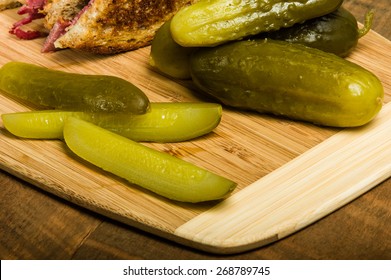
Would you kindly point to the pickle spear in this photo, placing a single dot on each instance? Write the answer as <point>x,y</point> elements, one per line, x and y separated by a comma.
<point>156,171</point>
<point>71,91</point>
<point>164,122</point>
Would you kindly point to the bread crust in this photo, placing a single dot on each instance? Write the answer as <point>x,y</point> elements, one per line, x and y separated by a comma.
<point>113,26</point>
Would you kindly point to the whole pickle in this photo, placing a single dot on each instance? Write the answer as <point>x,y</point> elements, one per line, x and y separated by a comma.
<point>167,56</point>
<point>287,79</point>
<point>336,32</point>
<point>213,22</point>
<point>71,91</point>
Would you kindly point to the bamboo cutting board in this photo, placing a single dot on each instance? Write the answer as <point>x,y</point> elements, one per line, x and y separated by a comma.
<point>289,174</point>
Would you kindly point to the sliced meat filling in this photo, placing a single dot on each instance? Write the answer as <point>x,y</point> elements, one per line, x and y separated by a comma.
<point>62,24</point>
<point>32,9</point>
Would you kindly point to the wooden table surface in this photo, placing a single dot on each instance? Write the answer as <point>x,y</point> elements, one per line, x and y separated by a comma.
<point>38,225</point>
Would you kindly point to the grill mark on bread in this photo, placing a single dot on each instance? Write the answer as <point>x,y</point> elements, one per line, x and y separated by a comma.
<point>114,26</point>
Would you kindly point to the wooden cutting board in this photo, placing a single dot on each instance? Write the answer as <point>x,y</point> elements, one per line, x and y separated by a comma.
<point>289,174</point>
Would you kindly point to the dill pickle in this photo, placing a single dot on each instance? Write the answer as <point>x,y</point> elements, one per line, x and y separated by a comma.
<point>336,32</point>
<point>167,56</point>
<point>213,22</point>
<point>287,79</point>
<point>156,171</point>
<point>164,122</point>
<point>71,91</point>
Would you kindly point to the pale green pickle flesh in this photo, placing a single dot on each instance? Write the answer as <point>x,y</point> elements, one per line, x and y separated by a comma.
<point>165,122</point>
<point>156,171</point>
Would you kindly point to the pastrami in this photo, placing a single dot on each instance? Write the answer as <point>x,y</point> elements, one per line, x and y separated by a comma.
<point>32,9</point>
<point>60,28</point>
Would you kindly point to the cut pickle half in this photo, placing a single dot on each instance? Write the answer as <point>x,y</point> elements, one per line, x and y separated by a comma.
<point>156,171</point>
<point>164,122</point>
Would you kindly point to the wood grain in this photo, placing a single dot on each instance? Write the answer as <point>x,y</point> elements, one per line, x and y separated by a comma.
<point>280,147</point>
<point>300,192</point>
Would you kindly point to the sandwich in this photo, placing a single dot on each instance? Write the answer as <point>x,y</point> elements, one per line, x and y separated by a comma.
<point>98,26</point>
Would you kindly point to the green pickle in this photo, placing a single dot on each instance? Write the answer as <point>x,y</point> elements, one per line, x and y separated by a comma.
<point>71,91</point>
<point>153,170</point>
<point>290,80</point>
<point>213,22</point>
<point>336,32</point>
<point>167,56</point>
<point>164,122</point>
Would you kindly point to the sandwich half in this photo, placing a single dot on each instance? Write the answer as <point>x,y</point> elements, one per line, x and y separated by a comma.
<point>106,26</point>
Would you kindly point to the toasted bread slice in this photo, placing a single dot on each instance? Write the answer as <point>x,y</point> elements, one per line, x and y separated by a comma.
<point>64,10</point>
<point>107,27</point>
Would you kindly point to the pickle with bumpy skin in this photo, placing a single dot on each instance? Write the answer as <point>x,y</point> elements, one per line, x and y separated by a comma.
<point>164,122</point>
<point>287,79</point>
<point>156,171</point>
<point>71,91</point>
<point>213,22</point>
<point>336,32</point>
